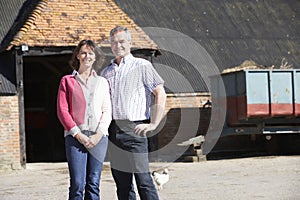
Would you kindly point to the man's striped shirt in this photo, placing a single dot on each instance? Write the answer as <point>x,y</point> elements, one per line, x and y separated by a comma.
<point>131,84</point>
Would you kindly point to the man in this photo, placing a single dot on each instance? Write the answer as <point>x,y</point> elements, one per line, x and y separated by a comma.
<point>132,81</point>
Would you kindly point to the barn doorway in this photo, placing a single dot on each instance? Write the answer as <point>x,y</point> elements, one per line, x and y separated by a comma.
<point>44,133</point>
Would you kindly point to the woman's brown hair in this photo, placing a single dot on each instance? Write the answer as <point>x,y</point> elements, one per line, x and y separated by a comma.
<point>100,57</point>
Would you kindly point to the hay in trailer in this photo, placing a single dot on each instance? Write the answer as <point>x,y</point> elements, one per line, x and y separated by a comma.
<point>250,64</point>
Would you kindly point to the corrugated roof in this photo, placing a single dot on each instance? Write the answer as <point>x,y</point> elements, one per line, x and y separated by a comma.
<point>230,31</point>
<point>14,14</point>
<point>7,74</point>
<point>8,14</point>
<point>65,23</point>
<point>6,87</point>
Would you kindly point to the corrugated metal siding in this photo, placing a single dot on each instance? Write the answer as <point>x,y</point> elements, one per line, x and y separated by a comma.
<point>8,14</point>
<point>6,87</point>
<point>178,79</point>
<point>7,74</point>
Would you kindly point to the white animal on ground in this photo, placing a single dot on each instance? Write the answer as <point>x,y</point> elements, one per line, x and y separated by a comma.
<point>161,179</point>
<point>193,141</point>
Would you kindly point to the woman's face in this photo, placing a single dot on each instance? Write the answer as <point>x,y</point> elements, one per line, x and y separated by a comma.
<point>86,57</point>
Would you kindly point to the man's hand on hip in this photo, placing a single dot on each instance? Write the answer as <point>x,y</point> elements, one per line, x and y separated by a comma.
<point>142,129</point>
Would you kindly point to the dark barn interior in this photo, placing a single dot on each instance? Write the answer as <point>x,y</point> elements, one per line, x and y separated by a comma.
<point>44,133</point>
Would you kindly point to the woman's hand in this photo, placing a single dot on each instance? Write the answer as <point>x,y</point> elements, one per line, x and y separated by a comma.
<point>94,139</point>
<point>89,142</point>
<point>83,139</point>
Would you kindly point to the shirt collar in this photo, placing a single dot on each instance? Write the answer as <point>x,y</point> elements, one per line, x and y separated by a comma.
<point>75,73</point>
<point>92,76</point>
<point>124,59</point>
<point>93,73</point>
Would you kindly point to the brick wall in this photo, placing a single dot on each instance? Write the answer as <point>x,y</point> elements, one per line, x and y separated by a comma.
<point>186,100</point>
<point>186,107</point>
<point>9,133</point>
<point>176,105</point>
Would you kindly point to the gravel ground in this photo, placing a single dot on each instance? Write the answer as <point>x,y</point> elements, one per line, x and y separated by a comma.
<point>244,178</point>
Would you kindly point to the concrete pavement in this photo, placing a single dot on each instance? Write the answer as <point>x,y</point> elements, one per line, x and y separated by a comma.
<point>244,178</point>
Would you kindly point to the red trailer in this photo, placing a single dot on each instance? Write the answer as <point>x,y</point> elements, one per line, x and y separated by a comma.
<point>254,108</point>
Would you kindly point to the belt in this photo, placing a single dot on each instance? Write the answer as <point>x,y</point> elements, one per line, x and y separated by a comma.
<point>125,125</point>
<point>128,121</point>
<point>88,133</point>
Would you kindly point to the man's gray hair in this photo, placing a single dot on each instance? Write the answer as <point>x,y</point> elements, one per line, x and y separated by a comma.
<point>118,29</point>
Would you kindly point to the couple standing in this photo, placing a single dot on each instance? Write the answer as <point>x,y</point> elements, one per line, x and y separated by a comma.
<point>116,105</point>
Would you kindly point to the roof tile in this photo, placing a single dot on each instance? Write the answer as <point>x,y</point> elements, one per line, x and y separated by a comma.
<point>65,23</point>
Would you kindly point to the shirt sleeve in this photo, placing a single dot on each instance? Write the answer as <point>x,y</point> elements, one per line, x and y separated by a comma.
<point>106,109</point>
<point>151,77</point>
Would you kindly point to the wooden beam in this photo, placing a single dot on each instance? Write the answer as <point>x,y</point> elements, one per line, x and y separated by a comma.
<point>45,51</point>
<point>20,91</point>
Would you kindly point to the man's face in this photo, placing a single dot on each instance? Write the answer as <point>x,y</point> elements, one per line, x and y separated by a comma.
<point>120,45</point>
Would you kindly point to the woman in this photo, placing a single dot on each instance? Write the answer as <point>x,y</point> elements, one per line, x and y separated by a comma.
<point>84,110</point>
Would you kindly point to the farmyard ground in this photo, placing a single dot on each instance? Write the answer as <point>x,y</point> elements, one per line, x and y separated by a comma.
<point>244,178</point>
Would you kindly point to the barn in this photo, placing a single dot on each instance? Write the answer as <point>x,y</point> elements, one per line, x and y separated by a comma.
<point>38,36</point>
<point>36,45</point>
<point>219,34</point>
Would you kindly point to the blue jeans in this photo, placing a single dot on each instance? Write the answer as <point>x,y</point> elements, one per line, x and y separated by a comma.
<point>85,168</point>
<point>129,156</point>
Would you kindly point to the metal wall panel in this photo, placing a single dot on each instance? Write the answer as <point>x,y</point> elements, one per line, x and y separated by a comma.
<point>296,90</point>
<point>281,92</point>
<point>257,93</point>
<point>262,93</point>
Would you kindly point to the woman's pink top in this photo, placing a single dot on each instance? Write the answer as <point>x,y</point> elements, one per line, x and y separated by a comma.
<point>84,106</point>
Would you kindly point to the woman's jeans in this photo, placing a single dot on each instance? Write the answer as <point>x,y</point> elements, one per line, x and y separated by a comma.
<point>85,168</point>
